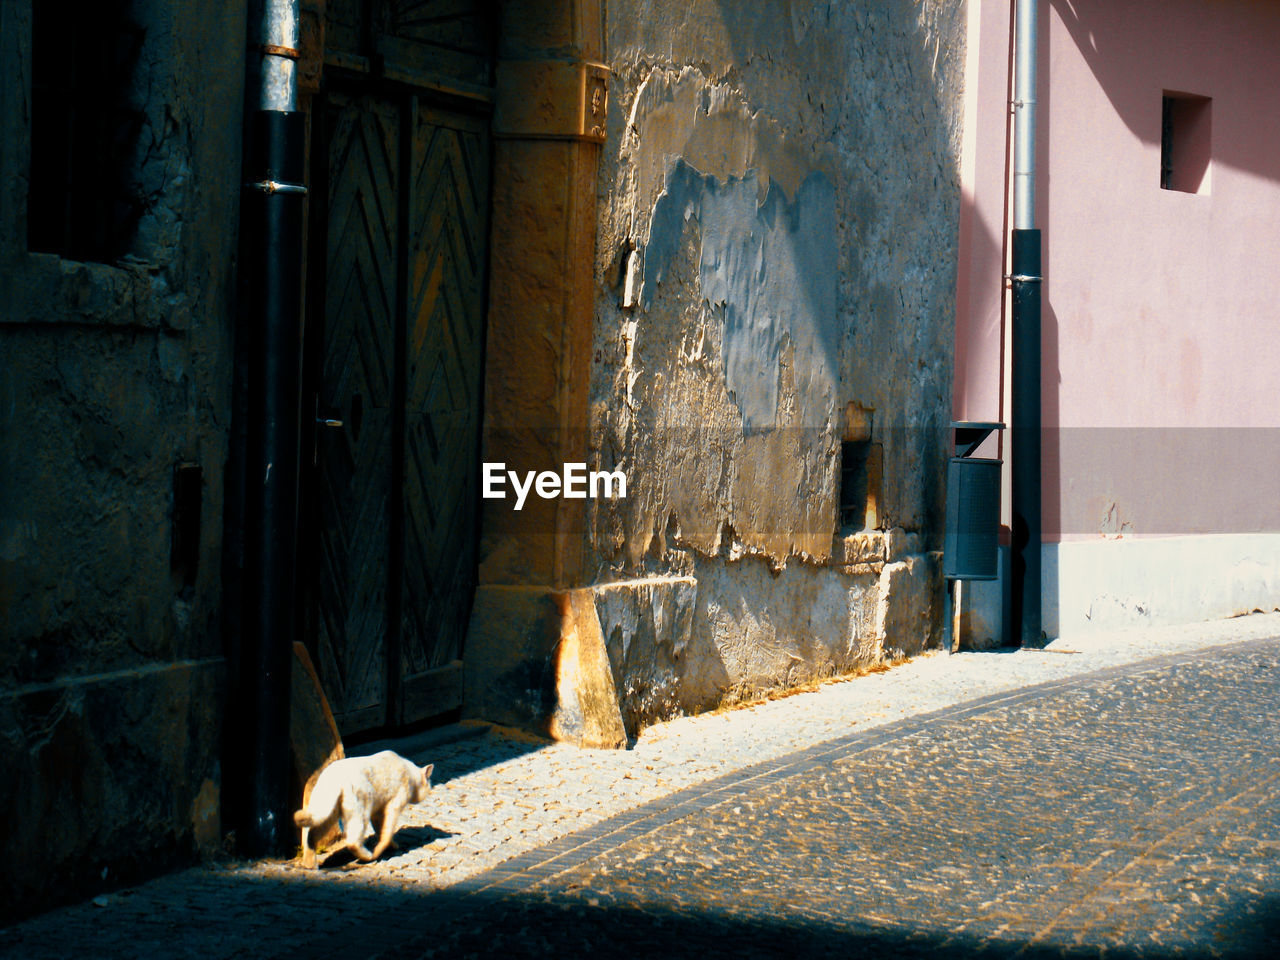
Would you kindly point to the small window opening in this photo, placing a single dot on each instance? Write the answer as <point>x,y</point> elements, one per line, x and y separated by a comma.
<point>83,202</point>
<point>861,470</point>
<point>1185,142</point>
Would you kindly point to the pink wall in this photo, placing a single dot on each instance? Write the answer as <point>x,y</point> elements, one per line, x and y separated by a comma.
<point>979,375</point>
<point>1161,308</point>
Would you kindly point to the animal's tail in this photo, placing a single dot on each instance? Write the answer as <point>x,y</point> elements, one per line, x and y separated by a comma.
<point>318,810</point>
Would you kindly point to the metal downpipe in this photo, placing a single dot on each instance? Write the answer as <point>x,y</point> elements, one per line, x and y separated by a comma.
<point>1025,361</point>
<point>1026,31</point>
<point>272,251</point>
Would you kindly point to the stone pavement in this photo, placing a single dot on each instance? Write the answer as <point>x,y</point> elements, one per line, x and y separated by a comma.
<point>947,806</point>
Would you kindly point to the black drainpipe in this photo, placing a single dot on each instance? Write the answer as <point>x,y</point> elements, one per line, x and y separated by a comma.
<point>271,258</point>
<point>1024,438</point>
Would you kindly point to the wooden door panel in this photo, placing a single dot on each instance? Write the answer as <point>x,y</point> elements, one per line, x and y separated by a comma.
<point>357,368</point>
<point>439,533</point>
<point>448,232</point>
<point>452,39</point>
<point>395,348</point>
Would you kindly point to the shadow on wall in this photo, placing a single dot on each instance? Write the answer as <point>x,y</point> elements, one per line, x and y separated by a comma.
<point>1121,40</point>
<point>896,208</point>
<point>1177,480</point>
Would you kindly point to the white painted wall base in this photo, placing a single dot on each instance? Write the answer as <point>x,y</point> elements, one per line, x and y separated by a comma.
<point>1116,584</point>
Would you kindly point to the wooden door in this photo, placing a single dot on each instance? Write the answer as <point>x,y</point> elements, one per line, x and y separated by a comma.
<point>353,319</point>
<point>448,245</point>
<point>400,188</point>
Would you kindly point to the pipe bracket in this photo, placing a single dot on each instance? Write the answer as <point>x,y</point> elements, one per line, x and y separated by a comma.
<point>276,186</point>
<point>274,50</point>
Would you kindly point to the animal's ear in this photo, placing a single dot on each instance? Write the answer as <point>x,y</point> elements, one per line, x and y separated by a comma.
<point>426,772</point>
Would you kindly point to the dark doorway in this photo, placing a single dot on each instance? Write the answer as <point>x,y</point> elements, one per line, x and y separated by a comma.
<point>393,354</point>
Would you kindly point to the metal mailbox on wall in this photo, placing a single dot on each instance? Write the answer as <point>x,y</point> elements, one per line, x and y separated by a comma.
<point>971,540</point>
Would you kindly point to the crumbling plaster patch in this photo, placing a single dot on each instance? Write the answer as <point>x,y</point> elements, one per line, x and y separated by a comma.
<point>771,266</point>
<point>682,115</point>
<point>728,371</point>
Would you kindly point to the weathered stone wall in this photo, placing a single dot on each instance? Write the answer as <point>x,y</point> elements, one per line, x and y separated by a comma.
<point>111,376</point>
<point>786,175</point>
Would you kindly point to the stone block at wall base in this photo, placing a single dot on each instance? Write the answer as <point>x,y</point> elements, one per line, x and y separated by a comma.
<point>647,625</point>
<point>536,659</point>
<point>909,611</point>
<point>112,779</point>
<point>596,665</point>
<point>738,631</point>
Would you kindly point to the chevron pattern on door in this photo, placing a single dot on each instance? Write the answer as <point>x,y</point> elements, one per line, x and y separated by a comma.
<point>353,462</point>
<point>446,278</point>
<point>401,329</point>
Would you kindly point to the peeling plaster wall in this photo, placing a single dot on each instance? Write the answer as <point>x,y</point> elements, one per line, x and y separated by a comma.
<point>111,670</point>
<point>771,269</point>
<point>787,176</point>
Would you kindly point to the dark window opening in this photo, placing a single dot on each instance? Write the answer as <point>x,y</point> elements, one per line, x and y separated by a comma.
<point>83,202</point>
<point>1185,142</point>
<point>861,468</point>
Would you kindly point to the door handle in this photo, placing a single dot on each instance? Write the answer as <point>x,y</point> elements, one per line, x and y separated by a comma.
<point>320,422</point>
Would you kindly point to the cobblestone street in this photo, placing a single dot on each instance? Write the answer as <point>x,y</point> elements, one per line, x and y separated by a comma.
<point>1113,795</point>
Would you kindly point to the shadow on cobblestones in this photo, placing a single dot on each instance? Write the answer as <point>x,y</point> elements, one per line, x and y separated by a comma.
<point>407,840</point>
<point>272,919</point>
<point>568,926</point>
